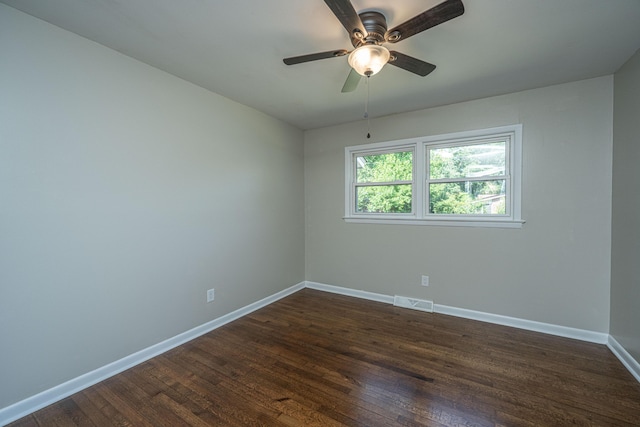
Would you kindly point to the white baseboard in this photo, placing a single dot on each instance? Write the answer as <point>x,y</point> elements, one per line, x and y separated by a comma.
<point>350,292</point>
<point>59,392</point>
<point>623,355</point>
<point>530,325</point>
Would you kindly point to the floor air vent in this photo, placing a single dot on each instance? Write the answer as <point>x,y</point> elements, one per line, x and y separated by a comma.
<point>414,303</point>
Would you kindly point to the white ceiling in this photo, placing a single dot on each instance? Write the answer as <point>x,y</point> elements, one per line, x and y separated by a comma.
<point>235,48</point>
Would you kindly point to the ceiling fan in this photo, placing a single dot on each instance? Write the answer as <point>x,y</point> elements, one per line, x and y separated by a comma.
<point>368,32</point>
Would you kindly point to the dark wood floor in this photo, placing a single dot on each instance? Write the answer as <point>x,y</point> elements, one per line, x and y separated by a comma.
<point>319,359</point>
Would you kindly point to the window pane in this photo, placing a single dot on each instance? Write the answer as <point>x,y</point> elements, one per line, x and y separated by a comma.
<point>389,167</point>
<point>468,161</point>
<point>468,197</point>
<point>384,199</point>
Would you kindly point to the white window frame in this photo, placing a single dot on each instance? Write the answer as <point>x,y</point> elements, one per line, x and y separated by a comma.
<point>386,150</point>
<point>420,146</point>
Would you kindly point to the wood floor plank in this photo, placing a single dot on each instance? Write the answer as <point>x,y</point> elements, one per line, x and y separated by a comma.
<point>56,415</point>
<point>104,407</point>
<point>321,359</point>
<point>92,411</point>
<point>120,404</point>
<point>28,421</point>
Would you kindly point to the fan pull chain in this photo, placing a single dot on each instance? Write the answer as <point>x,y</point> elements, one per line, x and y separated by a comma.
<point>366,110</point>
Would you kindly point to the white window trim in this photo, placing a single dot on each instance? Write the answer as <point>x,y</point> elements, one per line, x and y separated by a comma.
<point>419,146</point>
<point>371,149</point>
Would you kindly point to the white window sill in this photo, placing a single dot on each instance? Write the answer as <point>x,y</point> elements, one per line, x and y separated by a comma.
<point>463,222</point>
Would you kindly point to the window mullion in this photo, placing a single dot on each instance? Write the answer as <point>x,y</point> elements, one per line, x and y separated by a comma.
<point>419,167</point>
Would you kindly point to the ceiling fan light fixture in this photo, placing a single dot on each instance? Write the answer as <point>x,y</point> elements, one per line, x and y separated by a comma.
<point>368,59</point>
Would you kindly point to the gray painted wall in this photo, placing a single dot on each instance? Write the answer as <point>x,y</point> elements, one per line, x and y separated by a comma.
<point>125,193</point>
<point>625,251</point>
<point>556,269</point>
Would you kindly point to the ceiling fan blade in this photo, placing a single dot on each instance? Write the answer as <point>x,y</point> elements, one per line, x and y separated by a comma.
<point>443,12</point>
<point>353,79</point>
<point>314,56</point>
<point>348,17</point>
<point>411,64</point>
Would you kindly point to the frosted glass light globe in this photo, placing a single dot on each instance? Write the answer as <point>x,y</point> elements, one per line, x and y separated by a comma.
<point>368,59</point>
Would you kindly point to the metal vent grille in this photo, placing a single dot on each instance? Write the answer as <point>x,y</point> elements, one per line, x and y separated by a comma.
<point>413,303</point>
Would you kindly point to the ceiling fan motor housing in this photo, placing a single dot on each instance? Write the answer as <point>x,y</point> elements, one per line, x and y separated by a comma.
<point>376,25</point>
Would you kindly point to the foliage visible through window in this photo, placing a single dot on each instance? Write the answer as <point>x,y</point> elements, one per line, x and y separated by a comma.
<point>384,182</point>
<point>467,178</point>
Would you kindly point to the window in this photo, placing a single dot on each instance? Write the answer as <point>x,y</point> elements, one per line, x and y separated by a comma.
<point>384,182</point>
<point>468,178</point>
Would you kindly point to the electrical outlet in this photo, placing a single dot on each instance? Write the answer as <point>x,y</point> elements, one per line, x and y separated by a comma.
<point>425,281</point>
<point>211,295</point>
